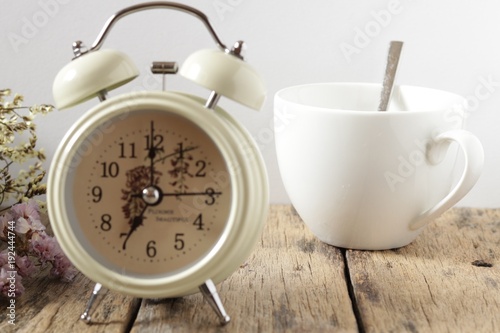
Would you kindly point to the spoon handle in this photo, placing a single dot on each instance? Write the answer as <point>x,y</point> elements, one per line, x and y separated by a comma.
<point>390,74</point>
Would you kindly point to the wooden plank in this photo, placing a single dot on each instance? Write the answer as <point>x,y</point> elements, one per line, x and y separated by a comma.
<point>448,280</point>
<point>49,305</point>
<point>291,283</point>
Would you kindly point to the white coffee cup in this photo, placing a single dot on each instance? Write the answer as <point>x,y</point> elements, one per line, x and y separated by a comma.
<point>363,179</point>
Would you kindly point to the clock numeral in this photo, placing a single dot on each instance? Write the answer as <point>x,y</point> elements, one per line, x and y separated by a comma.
<point>179,242</point>
<point>199,222</point>
<point>151,249</point>
<point>97,194</point>
<point>110,170</point>
<point>106,222</point>
<point>157,141</point>
<point>201,171</point>
<point>210,192</point>
<point>127,151</point>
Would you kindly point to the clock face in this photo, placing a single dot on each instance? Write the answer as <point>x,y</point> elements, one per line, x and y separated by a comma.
<point>149,193</point>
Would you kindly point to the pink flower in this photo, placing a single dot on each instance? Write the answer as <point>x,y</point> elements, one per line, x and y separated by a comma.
<point>22,225</point>
<point>37,249</point>
<point>27,217</point>
<point>44,246</point>
<point>48,250</point>
<point>10,282</point>
<point>27,210</point>
<point>4,223</point>
<point>36,225</point>
<point>4,257</point>
<point>25,266</point>
<point>63,269</point>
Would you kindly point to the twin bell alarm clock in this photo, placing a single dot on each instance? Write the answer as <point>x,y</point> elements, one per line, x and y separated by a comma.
<point>157,194</point>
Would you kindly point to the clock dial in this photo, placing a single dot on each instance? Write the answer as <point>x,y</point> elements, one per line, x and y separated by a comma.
<point>151,193</point>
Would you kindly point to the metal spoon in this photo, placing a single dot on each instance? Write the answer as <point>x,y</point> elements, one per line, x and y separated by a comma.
<point>390,74</point>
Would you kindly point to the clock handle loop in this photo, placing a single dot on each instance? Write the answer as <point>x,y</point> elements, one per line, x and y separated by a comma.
<point>155,5</point>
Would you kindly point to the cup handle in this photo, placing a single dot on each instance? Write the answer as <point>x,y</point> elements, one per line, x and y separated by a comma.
<point>474,160</point>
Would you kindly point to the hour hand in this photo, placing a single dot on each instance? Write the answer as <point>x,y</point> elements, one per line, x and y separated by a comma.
<point>152,149</point>
<point>151,157</point>
<point>135,222</point>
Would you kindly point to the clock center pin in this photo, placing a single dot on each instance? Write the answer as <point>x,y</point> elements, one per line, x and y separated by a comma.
<point>152,195</point>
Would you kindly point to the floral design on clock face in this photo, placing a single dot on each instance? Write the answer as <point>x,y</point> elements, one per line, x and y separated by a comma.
<point>151,193</point>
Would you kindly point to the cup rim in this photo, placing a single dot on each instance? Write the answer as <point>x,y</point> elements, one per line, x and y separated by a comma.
<point>461,101</point>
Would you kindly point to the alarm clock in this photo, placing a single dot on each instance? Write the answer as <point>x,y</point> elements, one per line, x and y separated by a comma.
<point>157,194</point>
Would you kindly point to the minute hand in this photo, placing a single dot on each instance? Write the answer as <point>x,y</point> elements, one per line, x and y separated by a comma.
<point>210,192</point>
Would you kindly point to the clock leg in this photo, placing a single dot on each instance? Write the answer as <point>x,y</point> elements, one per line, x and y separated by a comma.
<point>209,291</point>
<point>86,315</point>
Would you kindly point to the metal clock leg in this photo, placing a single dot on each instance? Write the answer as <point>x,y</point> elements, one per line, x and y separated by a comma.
<point>210,294</point>
<point>86,315</point>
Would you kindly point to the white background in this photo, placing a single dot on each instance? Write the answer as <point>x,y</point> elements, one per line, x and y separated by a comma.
<point>449,44</point>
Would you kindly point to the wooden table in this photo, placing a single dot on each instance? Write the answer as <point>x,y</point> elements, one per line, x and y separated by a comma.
<point>448,280</point>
